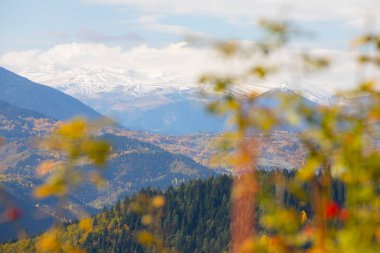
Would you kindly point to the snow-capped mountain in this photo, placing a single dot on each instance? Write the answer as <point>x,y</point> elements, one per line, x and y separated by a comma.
<point>314,95</point>
<point>162,104</point>
<point>86,82</point>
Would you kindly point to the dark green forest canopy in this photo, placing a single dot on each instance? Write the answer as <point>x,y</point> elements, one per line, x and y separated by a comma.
<point>196,218</point>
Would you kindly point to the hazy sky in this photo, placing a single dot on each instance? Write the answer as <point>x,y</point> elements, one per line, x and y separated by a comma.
<point>38,35</point>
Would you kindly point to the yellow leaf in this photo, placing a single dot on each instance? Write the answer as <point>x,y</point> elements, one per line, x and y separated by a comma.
<point>49,242</point>
<point>242,159</point>
<point>303,216</point>
<point>145,238</point>
<point>47,190</point>
<point>367,86</point>
<point>97,151</point>
<point>158,201</point>
<point>362,40</point>
<point>259,71</point>
<point>247,246</point>
<point>74,129</point>
<point>147,219</point>
<point>228,48</point>
<point>308,171</point>
<point>86,224</point>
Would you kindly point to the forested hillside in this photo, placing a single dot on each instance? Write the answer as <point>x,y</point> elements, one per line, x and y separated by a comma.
<point>196,218</point>
<point>134,164</point>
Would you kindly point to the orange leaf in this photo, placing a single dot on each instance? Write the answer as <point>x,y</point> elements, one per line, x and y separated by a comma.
<point>46,167</point>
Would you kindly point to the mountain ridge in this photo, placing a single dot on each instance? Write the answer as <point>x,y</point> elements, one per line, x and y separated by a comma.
<point>134,164</point>
<point>21,92</point>
<point>166,109</point>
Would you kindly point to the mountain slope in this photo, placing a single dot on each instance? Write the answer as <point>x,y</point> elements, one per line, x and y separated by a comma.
<point>133,165</point>
<point>166,109</point>
<point>136,164</point>
<point>181,112</point>
<point>24,93</point>
<point>20,122</point>
<point>178,118</point>
<point>18,159</point>
<point>173,112</point>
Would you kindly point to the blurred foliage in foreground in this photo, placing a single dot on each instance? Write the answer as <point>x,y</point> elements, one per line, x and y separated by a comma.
<point>341,143</point>
<point>71,144</point>
<point>74,142</point>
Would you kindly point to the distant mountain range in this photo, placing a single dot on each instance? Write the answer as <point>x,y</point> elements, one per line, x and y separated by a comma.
<point>166,108</point>
<point>134,163</point>
<point>29,110</point>
<point>174,112</point>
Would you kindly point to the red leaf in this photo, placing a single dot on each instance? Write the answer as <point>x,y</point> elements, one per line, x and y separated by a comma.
<point>344,215</point>
<point>333,210</point>
<point>13,214</point>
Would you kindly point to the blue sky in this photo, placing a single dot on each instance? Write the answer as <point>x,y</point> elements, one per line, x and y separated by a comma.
<point>39,31</point>
<point>41,24</point>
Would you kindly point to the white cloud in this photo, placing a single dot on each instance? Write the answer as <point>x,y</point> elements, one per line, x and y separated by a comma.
<point>344,10</point>
<point>97,67</point>
<point>152,23</point>
<point>79,62</point>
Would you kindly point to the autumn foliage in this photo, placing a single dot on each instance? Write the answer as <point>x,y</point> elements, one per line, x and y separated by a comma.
<point>341,144</point>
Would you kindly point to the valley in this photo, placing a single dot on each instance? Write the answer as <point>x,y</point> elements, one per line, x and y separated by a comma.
<point>139,159</point>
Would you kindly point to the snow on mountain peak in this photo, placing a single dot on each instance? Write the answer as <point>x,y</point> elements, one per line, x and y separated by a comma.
<point>91,82</point>
<point>94,81</point>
